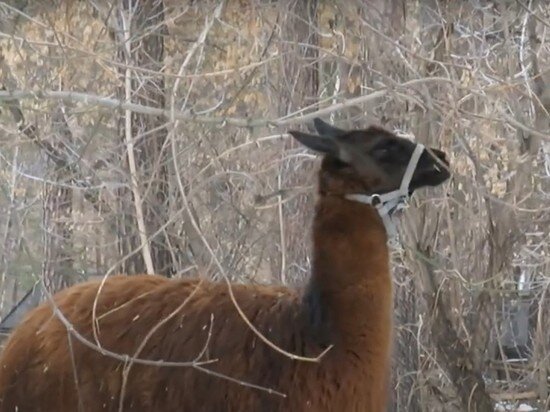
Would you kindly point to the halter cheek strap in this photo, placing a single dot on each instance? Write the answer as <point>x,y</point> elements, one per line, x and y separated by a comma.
<point>387,203</point>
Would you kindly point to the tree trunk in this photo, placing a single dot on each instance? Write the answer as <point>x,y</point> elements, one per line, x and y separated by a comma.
<point>145,20</point>
<point>453,352</point>
<point>57,269</point>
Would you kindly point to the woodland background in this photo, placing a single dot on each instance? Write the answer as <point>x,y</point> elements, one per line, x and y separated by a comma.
<point>150,136</point>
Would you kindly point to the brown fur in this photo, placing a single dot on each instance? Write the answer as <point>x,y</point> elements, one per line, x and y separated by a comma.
<point>347,303</point>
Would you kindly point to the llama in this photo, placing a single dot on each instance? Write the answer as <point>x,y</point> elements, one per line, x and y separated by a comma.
<point>344,312</point>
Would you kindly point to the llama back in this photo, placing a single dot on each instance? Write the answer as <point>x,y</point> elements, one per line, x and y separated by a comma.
<point>39,361</point>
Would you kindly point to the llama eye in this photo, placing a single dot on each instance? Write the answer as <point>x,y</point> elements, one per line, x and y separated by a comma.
<point>382,153</point>
<point>385,148</point>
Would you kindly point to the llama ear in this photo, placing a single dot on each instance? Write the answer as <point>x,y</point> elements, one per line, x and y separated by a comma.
<point>326,129</point>
<point>322,144</point>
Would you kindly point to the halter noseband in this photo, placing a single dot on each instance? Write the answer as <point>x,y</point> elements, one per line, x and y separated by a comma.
<point>387,203</point>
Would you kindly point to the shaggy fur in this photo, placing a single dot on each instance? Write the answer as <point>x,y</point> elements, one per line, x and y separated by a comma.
<point>347,303</point>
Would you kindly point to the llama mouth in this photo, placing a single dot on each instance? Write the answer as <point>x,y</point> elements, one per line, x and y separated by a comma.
<point>439,175</point>
<point>434,176</point>
<point>437,172</point>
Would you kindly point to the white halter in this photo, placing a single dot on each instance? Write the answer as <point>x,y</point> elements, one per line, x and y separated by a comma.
<point>387,203</point>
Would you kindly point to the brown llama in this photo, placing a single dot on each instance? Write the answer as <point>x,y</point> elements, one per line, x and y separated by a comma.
<point>346,306</point>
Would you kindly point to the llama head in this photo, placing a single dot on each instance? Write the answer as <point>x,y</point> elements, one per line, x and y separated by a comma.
<point>370,161</point>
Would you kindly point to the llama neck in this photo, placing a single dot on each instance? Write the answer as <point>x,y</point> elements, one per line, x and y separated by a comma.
<point>350,290</point>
